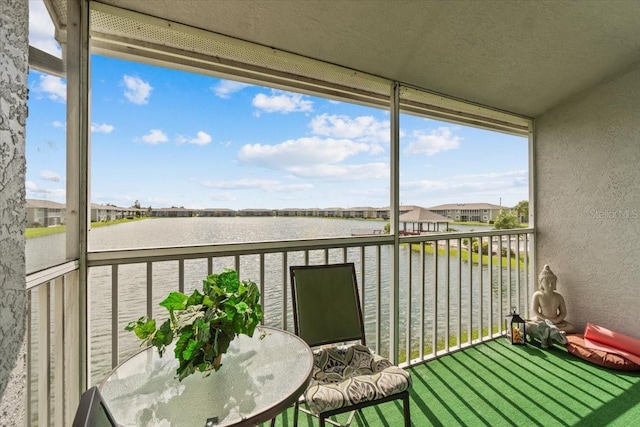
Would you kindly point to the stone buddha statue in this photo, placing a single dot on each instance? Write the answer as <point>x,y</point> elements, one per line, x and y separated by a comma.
<point>549,310</point>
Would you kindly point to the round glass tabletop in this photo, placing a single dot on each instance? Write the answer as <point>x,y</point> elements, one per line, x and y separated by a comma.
<point>260,377</point>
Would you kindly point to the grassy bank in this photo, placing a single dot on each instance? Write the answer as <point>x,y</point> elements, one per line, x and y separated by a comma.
<point>33,232</point>
<point>475,259</point>
<point>484,224</point>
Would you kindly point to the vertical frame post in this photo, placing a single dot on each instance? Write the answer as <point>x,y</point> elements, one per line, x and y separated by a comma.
<point>394,186</point>
<point>78,206</point>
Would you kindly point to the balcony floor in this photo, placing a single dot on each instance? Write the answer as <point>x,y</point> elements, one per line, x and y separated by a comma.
<point>497,384</point>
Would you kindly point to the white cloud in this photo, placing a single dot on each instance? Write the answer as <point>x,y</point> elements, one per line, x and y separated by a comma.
<point>267,185</point>
<point>226,88</point>
<point>367,171</point>
<point>440,139</point>
<point>301,152</point>
<point>241,184</point>
<point>514,178</point>
<point>315,157</point>
<point>42,30</point>
<point>157,201</point>
<point>282,102</point>
<point>203,138</point>
<point>54,86</point>
<point>362,127</point>
<point>287,188</point>
<point>101,128</point>
<point>464,187</point>
<point>57,124</point>
<point>372,193</point>
<point>223,197</point>
<point>32,189</point>
<point>137,90</point>
<point>521,181</point>
<point>49,176</point>
<point>155,136</point>
<point>116,199</point>
<point>429,185</point>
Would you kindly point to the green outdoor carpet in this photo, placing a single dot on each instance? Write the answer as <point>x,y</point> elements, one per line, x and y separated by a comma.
<point>497,384</point>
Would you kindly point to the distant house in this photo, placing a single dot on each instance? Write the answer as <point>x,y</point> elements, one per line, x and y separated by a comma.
<point>359,212</point>
<point>331,212</point>
<point>45,213</point>
<point>463,212</point>
<point>174,212</point>
<point>217,212</point>
<point>256,212</point>
<point>292,212</point>
<point>106,212</point>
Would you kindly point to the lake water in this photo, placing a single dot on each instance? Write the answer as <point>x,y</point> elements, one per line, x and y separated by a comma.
<point>190,231</point>
<point>50,250</point>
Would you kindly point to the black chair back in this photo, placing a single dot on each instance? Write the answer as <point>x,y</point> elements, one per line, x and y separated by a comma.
<point>93,411</point>
<point>326,304</point>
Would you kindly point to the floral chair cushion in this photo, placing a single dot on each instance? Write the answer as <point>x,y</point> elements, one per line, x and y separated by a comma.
<point>345,376</point>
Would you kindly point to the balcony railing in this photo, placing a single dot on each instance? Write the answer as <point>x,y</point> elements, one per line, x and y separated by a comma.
<point>454,290</point>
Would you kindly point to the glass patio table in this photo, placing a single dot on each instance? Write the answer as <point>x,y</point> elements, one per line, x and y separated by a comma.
<point>259,378</point>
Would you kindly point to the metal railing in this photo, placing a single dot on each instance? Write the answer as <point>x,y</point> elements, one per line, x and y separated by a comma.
<point>455,289</point>
<point>52,345</point>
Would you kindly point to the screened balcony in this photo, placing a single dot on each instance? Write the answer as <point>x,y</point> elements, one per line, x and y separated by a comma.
<point>572,95</point>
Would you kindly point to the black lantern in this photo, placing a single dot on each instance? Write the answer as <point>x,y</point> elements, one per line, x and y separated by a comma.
<point>515,328</point>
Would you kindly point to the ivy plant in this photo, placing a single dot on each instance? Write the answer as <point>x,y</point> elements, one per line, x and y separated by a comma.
<point>204,323</point>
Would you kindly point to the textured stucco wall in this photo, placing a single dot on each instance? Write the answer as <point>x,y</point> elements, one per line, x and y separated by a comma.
<point>587,156</point>
<point>13,113</point>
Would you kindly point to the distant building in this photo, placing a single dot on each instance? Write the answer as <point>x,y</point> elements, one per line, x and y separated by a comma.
<point>292,212</point>
<point>256,212</point>
<point>106,212</point>
<point>359,212</point>
<point>110,212</point>
<point>331,212</point>
<point>217,212</point>
<point>45,213</point>
<point>174,213</point>
<point>463,212</point>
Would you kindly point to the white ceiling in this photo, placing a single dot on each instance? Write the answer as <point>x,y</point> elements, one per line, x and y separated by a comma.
<point>519,56</point>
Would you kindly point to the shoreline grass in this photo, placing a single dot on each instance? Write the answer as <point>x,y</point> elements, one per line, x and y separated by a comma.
<point>34,232</point>
<point>453,252</point>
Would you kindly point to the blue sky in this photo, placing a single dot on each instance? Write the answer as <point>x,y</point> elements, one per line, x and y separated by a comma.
<point>170,138</point>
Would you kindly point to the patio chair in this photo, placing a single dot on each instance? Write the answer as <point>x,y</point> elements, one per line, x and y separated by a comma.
<point>93,411</point>
<point>347,375</point>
